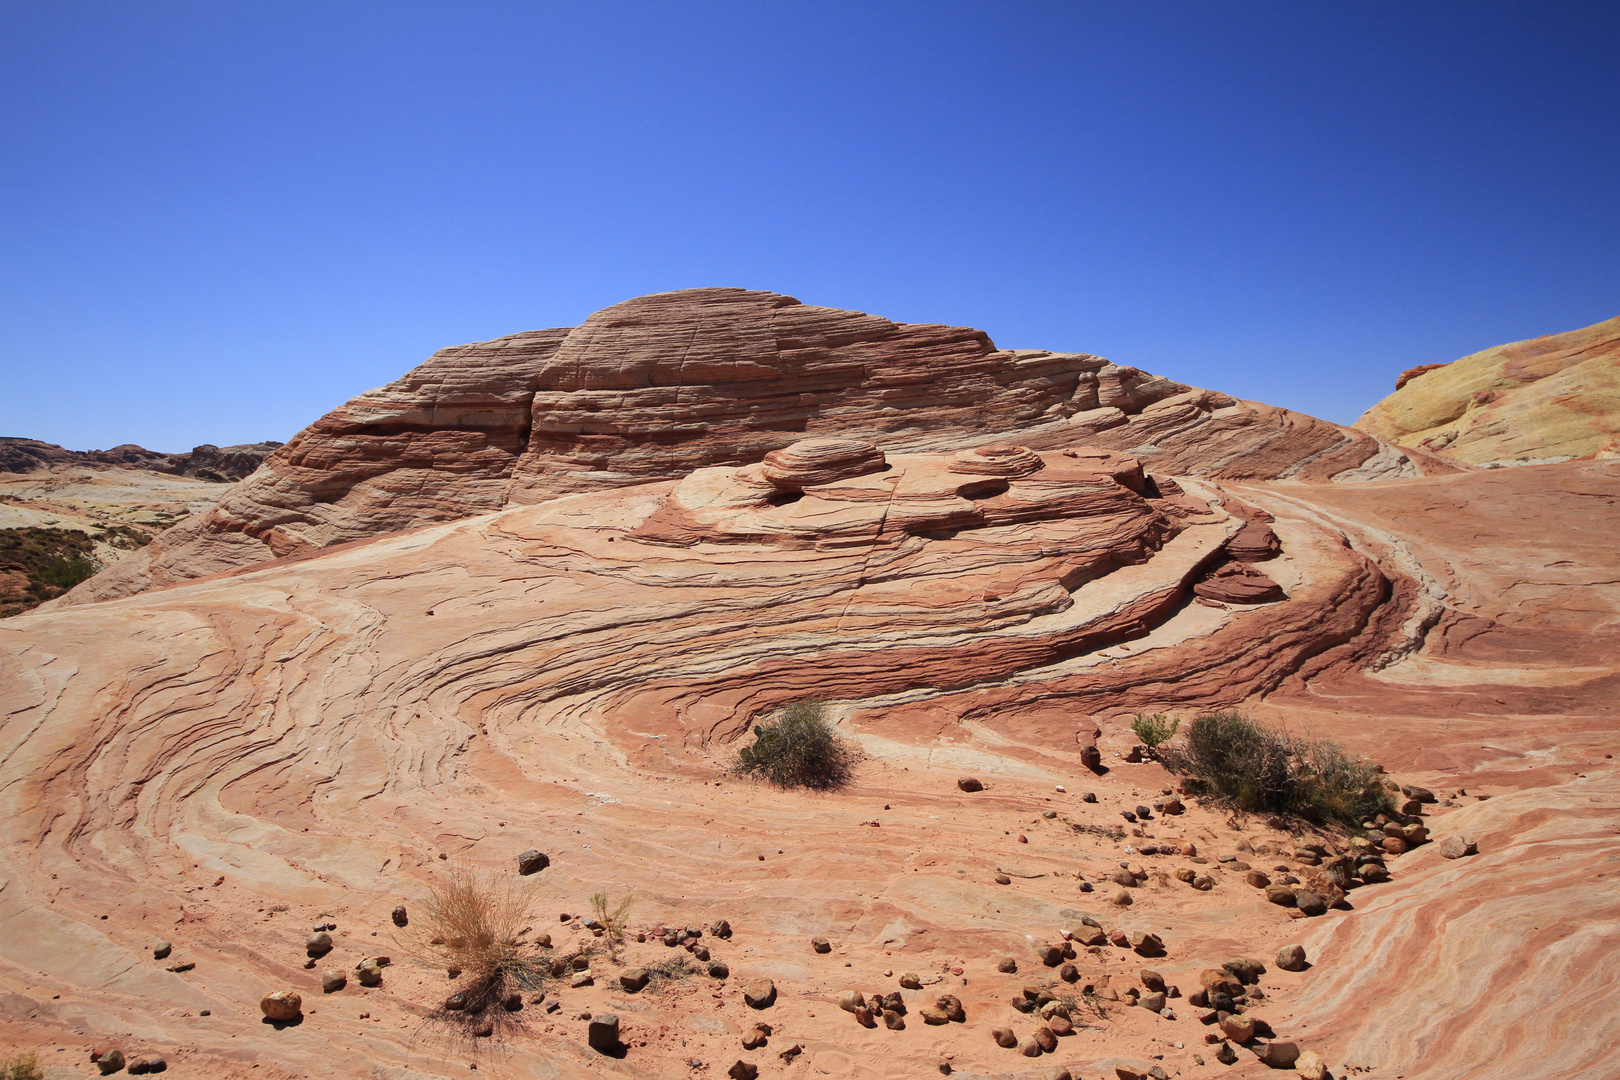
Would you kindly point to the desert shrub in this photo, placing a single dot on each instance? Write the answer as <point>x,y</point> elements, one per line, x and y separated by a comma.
<point>1153,730</point>
<point>612,919</point>
<point>472,921</point>
<point>799,747</point>
<point>1259,769</point>
<point>22,1067</point>
<point>65,573</point>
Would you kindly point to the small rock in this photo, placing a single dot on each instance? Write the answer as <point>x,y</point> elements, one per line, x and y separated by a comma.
<point>894,1021</point>
<point>1045,1039</point>
<point>1007,965</point>
<point>1422,795</point>
<point>1310,1066</point>
<point>1004,1037</point>
<point>1128,816</point>
<point>720,928</point>
<point>1090,797</point>
<point>970,783</point>
<point>718,970</point>
<point>1058,1072</point>
<point>318,944</point>
<point>1240,1029</point>
<point>400,917</point>
<point>1310,902</point>
<point>753,1039</point>
<point>1225,1054</point>
<point>1147,944</point>
<point>110,1062</point>
<point>1257,879</point>
<point>1121,899</point>
<point>1029,1046</point>
<point>1153,1002</point>
<point>282,1005</point>
<point>743,1070</point>
<point>1280,1055</point>
<point>1185,873</point>
<point>1091,758</point>
<point>911,981</point>
<point>603,1034</point>
<point>532,862</point>
<point>1144,813</point>
<point>1050,955</point>
<point>150,1063</point>
<point>1203,883</point>
<point>951,1006</point>
<point>1151,979</point>
<point>1173,806</point>
<point>1394,845</point>
<point>333,981</point>
<point>1003,879</point>
<point>512,1002</point>
<point>850,1001</point>
<point>863,1017</point>
<point>1281,895</point>
<point>821,945</point>
<point>1060,1024</point>
<point>161,950</point>
<point>1069,973</point>
<point>456,1002</point>
<point>584,978</point>
<point>760,994</point>
<point>369,973</point>
<point>1454,847</point>
<point>634,980</point>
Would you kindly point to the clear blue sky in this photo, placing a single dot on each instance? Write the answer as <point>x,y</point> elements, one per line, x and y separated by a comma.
<point>220,219</point>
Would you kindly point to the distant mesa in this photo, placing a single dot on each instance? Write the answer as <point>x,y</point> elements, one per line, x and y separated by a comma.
<point>660,386</point>
<point>1550,398</point>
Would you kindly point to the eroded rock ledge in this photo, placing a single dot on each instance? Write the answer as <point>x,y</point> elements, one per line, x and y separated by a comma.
<point>659,386</point>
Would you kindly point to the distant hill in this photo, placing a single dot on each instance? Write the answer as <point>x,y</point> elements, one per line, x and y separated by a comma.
<point>1556,396</point>
<point>221,464</point>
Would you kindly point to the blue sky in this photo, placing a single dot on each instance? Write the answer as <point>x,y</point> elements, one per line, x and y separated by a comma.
<point>218,220</point>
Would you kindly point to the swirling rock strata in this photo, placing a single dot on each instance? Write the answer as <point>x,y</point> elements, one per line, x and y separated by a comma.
<point>657,387</point>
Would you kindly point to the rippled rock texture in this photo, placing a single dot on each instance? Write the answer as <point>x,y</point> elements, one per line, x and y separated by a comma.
<point>662,385</point>
<point>1552,397</point>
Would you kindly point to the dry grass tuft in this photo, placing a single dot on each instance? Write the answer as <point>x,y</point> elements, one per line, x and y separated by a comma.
<point>472,921</point>
<point>22,1067</point>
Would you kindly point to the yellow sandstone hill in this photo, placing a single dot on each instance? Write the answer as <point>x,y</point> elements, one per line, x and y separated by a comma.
<point>1556,396</point>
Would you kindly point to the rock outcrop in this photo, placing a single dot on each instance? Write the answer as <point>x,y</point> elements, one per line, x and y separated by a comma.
<point>659,386</point>
<point>1552,397</point>
<point>218,464</point>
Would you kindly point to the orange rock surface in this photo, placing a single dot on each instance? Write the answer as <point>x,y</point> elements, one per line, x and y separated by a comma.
<point>228,763</point>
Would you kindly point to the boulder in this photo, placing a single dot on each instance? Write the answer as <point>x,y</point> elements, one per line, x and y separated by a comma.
<point>1310,1066</point>
<point>282,1005</point>
<point>760,993</point>
<point>1292,958</point>
<point>603,1033</point>
<point>1456,847</point>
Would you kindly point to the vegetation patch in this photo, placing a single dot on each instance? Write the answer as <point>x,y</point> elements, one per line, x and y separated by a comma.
<point>798,747</point>
<point>39,564</point>
<point>1152,731</point>
<point>1261,770</point>
<point>471,923</point>
<point>22,1067</point>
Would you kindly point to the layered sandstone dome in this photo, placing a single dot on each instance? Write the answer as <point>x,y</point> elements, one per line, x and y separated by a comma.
<point>659,386</point>
<point>1552,397</point>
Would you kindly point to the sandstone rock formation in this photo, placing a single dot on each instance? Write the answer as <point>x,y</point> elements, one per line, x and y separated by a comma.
<point>206,462</point>
<point>1552,397</point>
<point>198,778</point>
<point>662,385</point>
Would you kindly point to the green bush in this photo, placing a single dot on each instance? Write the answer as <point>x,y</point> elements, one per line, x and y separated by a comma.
<point>1154,730</point>
<point>799,747</point>
<point>65,573</point>
<point>1259,769</point>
